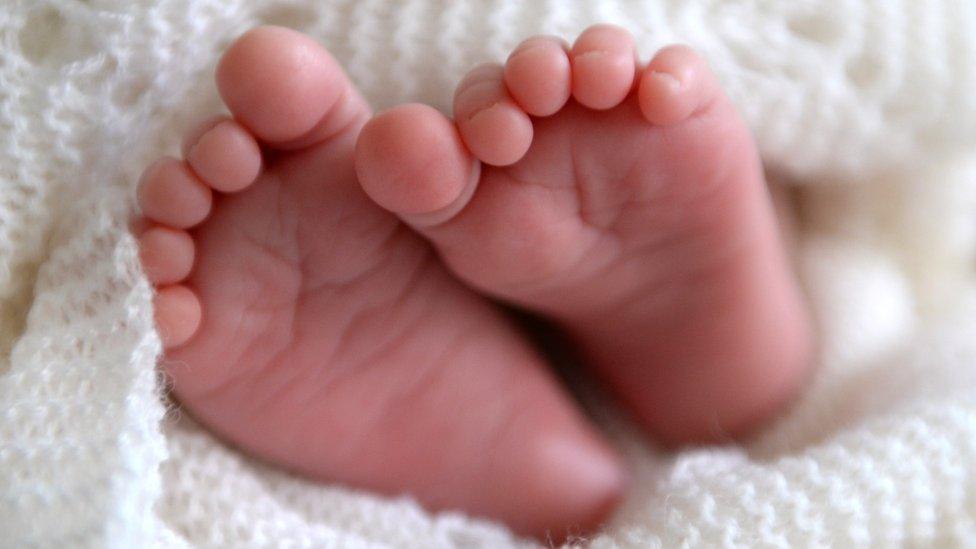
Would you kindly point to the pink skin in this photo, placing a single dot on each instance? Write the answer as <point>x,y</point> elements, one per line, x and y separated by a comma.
<point>603,66</point>
<point>166,254</point>
<point>539,94</point>
<point>490,121</point>
<point>225,156</point>
<point>178,313</point>
<point>313,329</point>
<point>638,218</point>
<point>171,194</point>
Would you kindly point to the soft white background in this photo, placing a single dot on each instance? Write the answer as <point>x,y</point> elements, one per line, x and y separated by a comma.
<point>867,107</point>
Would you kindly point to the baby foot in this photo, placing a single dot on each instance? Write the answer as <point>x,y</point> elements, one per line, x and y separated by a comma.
<point>635,214</point>
<point>315,330</point>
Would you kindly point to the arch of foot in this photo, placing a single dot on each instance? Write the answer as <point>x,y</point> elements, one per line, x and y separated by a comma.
<point>176,195</point>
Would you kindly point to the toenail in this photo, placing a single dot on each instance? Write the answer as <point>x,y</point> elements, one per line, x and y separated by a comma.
<point>668,79</point>
<point>493,107</point>
<point>592,54</point>
<point>479,88</point>
<point>487,73</point>
<point>603,60</point>
<point>528,48</point>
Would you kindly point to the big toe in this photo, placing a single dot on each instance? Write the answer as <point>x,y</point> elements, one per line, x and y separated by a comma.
<point>411,161</point>
<point>285,87</point>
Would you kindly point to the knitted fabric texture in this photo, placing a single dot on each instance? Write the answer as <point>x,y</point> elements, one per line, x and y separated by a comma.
<point>865,106</point>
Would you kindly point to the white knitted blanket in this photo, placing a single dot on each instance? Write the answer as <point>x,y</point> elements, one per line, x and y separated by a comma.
<point>868,106</point>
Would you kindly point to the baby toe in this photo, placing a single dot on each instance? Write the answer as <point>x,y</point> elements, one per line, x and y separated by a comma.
<point>538,75</point>
<point>191,137</point>
<point>411,161</point>
<point>166,254</point>
<point>170,194</point>
<point>226,157</point>
<point>178,314</point>
<point>494,128</point>
<point>674,85</point>
<point>281,84</point>
<point>603,66</point>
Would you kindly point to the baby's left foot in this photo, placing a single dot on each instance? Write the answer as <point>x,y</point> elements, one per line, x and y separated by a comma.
<point>634,212</point>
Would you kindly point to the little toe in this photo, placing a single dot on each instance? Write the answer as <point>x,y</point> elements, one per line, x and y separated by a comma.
<point>411,161</point>
<point>166,254</point>
<point>178,314</point>
<point>675,84</point>
<point>170,194</point>
<point>603,65</point>
<point>494,128</point>
<point>538,75</point>
<point>225,156</point>
<point>286,88</point>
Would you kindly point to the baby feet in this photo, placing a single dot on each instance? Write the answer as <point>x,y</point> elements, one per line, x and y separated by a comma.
<point>307,324</point>
<point>315,330</point>
<point>628,204</point>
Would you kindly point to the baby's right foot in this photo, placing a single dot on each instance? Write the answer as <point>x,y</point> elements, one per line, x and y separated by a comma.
<point>635,214</point>
<point>315,330</point>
